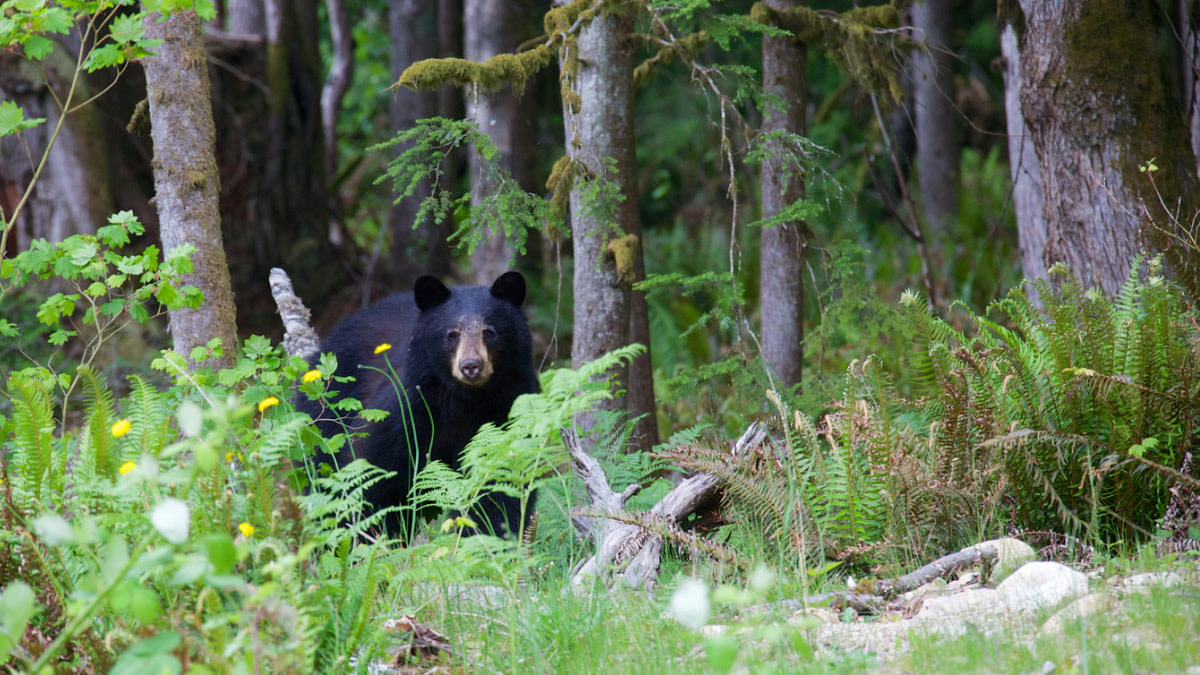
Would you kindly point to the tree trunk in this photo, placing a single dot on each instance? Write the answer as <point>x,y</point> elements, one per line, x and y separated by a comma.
<point>186,181</point>
<point>412,25</point>
<point>1024,166</point>
<point>496,27</point>
<point>937,122</point>
<point>784,245</point>
<point>73,194</point>
<point>607,314</point>
<point>1189,38</point>
<point>1081,63</point>
<point>341,71</point>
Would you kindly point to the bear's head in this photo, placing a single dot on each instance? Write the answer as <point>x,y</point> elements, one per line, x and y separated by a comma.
<point>472,333</point>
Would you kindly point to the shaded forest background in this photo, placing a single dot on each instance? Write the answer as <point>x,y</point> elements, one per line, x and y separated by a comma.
<point>948,147</point>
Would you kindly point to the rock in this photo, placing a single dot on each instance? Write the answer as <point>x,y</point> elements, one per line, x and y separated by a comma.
<point>1084,609</point>
<point>1142,583</point>
<point>977,603</point>
<point>1041,585</point>
<point>1010,555</point>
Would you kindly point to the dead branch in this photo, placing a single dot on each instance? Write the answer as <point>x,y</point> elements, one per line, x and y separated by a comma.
<point>299,339</point>
<point>628,550</point>
<point>943,567</point>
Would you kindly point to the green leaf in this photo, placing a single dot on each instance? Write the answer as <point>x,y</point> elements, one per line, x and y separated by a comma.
<point>17,605</point>
<point>37,47</point>
<point>96,289</point>
<point>221,552</point>
<point>12,119</point>
<point>152,655</point>
<point>8,328</point>
<point>126,28</point>
<point>59,337</point>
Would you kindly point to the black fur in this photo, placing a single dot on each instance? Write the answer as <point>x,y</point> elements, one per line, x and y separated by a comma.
<point>439,406</point>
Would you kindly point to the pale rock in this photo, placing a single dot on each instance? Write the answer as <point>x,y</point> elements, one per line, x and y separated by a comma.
<point>1084,609</point>
<point>1142,583</point>
<point>1011,554</point>
<point>1041,585</point>
<point>977,603</point>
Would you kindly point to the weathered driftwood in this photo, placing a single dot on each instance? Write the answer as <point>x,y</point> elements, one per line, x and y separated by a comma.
<point>943,567</point>
<point>299,339</point>
<point>627,551</point>
<point>885,591</point>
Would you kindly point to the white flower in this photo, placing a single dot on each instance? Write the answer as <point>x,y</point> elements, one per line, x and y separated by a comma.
<point>171,518</point>
<point>689,603</point>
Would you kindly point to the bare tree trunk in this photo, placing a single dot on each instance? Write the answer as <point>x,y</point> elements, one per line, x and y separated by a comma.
<point>186,181</point>
<point>1080,62</point>
<point>1189,37</point>
<point>937,123</point>
<point>247,17</point>
<point>412,25</point>
<point>496,27</point>
<point>784,245</point>
<point>338,81</point>
<point>1023,162</point>
<point>606,264</point>
<point>73,194</point>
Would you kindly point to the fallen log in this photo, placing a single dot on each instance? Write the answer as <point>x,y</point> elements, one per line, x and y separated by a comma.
<point>627,551</point>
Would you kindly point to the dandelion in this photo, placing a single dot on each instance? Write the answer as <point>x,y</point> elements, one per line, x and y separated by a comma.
<point>382,348</point>
<point>311,376</point>
<point>267,403</point>
<point>246,529</point>
<point>121,428</point>
<point>127,467</point>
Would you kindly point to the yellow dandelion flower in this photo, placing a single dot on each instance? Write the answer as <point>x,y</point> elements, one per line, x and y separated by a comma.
<point>121,428</point>
<point>382,348</point>
<point>246,528</point>
<point>127,467</point>
<point>267,403</point>
<point>311,376</point>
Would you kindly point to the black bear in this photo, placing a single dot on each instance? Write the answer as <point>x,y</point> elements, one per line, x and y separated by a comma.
<point>463,355</point>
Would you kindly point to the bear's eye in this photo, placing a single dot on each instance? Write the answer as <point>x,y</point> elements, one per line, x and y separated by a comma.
<point>489,334</point>
<point>452,336</point>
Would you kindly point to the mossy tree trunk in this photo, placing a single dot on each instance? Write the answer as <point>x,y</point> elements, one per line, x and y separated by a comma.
<point>937,120</point>
<point>606,236</point>
<point>498,27</point>
<point>784,245</point>
<point>186,182</point>
<point>1097,104</point>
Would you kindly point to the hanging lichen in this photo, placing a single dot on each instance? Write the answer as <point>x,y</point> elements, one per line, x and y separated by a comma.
<point>863,40</point>
<point>682,48</point>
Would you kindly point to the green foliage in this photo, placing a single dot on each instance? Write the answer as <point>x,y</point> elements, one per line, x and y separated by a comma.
<point>112,288</point>
<point>504,207</point>
<point>1058,395</point>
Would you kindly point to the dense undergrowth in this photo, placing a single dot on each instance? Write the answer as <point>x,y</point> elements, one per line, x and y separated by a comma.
<point>165,529</point>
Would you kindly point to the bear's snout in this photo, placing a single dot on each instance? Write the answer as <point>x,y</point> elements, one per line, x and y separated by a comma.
<point>472,364</point>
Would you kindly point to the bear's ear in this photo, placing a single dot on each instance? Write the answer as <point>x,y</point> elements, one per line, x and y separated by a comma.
<point>429,293</point>
<point>510,287</point>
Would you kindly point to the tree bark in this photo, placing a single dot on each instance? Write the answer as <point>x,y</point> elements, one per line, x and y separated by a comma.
<point>1024,166</point>
<point>1081,63</point>
<point>412,25</point>
<point>74,192</point>
<point>186,181</point>
<point>937,122</point>
<point>607,245</point>
<point>341,71</point>
<point>1189,38</point>
<point>784,245</point>
<point>496,27</point>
